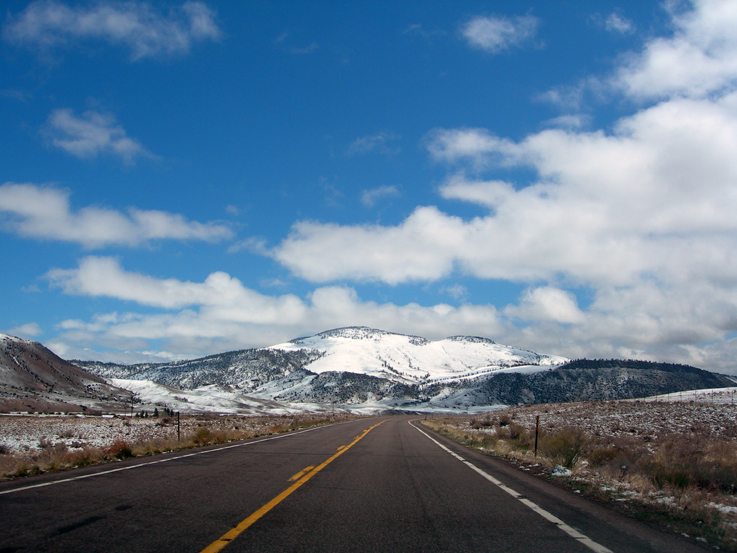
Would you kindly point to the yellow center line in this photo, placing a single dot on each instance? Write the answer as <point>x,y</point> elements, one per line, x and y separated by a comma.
<point>340,447</point>
<point>301,473</point>
<point>229,536</point>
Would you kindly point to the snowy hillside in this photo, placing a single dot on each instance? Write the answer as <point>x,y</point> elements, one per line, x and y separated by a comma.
<point>207,399</point>
<point>245,369</point>
<point>412,359</point>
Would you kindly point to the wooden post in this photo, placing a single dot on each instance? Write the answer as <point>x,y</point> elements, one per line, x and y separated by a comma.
<point>537,431</point>
<point>179,439</point>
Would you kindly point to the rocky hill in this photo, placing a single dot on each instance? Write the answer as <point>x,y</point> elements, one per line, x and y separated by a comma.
<point>32,378</point>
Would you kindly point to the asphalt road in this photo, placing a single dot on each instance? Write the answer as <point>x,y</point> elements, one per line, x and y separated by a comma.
<point>356,486</point>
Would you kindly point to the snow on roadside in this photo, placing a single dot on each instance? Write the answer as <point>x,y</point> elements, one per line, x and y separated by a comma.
<point>24,433</point>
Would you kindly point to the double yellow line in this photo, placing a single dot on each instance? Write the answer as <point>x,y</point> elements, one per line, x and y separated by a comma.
<point>301,477</point>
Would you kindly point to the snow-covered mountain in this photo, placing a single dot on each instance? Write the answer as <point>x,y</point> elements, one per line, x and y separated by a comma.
<point>397,358</point>
<point>353,366</point>
<point>412,359</point>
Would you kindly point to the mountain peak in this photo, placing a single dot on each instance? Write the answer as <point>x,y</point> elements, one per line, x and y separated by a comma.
<point>357,333</point>
<point>471,339</point>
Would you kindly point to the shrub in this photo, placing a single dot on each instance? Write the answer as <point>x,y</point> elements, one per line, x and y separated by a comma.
<point>564,447</point>
<point>119,449</point>
<point>602,455</point>
<point>203,436</point>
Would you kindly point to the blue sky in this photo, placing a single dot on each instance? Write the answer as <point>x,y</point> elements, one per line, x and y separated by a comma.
<point>180,179</point>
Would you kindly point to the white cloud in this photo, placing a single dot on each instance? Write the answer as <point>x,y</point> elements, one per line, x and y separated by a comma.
<point>646,320</point>
<point>615,22</point>
<point>369,198</point>
<point>605,208</point>
<point>91,134</point>
<point>477,145</point>
<point>494,34</point>
<point>220,294</point>
<point>27,331</point>
<point>221,313</point>
<point>421,248</point>
<point>547,304</point>
<point>44,213</point>
<point>570,121</point>
<point>252,244</point>
<point>456,291</point>
<point>47,24</point>
<point>697,61</point>
<point>618,24</point>
<point>379,143</point>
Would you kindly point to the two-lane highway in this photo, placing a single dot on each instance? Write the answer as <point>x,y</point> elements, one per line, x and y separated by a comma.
<point>379,484</point>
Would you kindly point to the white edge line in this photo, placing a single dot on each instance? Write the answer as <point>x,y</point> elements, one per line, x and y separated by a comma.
<point>102,473</point>
<point>575,534</point>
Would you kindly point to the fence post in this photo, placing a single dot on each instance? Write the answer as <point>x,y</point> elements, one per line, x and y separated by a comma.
<point>537,430</point>
<point>179,439</point>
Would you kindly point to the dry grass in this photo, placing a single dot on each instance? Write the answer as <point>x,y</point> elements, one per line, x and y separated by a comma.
<point>196,431</point>
<point>671,463</point>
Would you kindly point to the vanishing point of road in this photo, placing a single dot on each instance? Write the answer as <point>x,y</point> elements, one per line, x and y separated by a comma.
<point>372,485</point>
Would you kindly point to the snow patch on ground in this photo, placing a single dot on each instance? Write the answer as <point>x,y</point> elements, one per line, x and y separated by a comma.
<point>207,399</point>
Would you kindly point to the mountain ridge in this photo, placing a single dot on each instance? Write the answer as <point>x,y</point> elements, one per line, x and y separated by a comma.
<point>370,370</point>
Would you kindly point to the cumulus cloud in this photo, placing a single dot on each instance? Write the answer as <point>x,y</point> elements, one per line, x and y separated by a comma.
<point>27,331</point>
<point>369,198</point>
<point>477,145</point>
<point>605,208</point>
<point>494,34</point>
<point>547,304</point>
<point>696,62</point>
<point>90,135</point>
<point>197,318</point>
<point>48,24</point>
<point>44,213</point>
<point>418,249</point>
<point>221,312</point>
